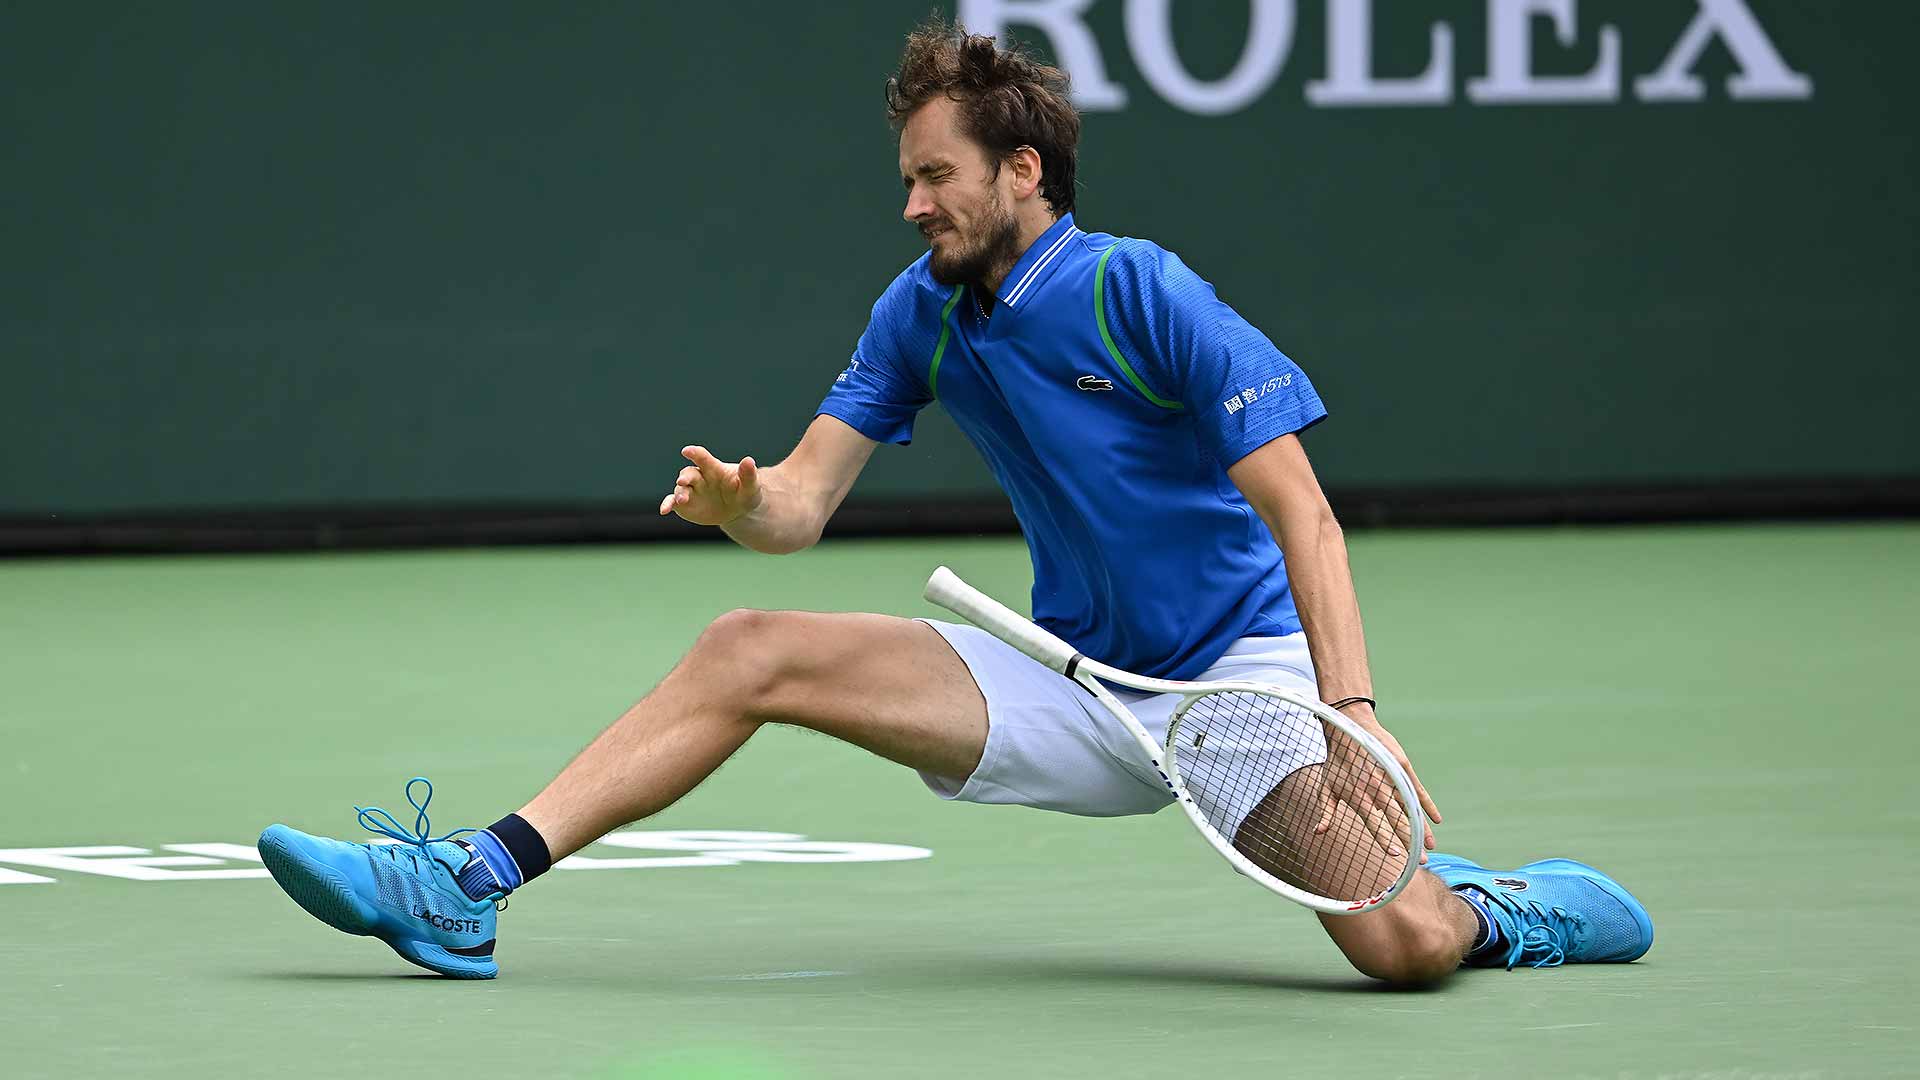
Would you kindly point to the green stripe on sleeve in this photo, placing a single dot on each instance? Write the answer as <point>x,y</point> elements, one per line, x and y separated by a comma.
<point>1100,315</point>
<point>946,330</point>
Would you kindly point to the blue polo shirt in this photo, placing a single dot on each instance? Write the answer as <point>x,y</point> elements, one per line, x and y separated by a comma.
<point>1109,390</point>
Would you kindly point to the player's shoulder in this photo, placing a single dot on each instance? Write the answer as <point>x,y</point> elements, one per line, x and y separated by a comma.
<point>908,314</point>
<point>1133,258</point>
<point>913,290</point>
<point>1135,269</point>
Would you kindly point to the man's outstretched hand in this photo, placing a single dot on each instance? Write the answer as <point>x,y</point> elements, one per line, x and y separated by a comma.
<point>711,491</point>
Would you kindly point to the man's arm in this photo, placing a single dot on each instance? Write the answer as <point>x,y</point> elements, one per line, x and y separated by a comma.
<point>1278,480</point>
<point>778,509</point>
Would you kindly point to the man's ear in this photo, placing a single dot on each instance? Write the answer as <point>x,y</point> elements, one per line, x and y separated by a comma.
<point>1025,163</point>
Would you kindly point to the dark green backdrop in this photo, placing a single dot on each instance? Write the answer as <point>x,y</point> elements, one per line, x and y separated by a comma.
<point>284,255</point>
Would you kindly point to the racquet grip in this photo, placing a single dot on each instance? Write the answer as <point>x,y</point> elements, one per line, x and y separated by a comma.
<point>947,590</point>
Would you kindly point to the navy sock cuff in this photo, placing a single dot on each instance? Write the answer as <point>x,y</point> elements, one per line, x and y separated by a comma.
<point>525,844</point>
<point>1489,936</point>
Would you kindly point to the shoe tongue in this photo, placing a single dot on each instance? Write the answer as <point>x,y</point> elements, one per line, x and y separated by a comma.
<point>454,856</point>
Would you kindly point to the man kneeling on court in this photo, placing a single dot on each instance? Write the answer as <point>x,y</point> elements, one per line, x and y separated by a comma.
<point>1148,439</point>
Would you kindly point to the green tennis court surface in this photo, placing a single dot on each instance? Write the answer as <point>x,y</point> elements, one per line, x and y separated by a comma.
<point>1721,717</point>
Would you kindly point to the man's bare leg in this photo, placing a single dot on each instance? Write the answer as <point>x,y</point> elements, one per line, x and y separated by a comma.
<point>1420,937</point>
<point>889,685</point>
<point>892,686</point>
<point>895,687</point>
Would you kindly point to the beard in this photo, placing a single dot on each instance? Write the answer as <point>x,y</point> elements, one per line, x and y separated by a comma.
<point>995,246</point>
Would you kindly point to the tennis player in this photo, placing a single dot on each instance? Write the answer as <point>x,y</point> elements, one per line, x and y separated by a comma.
<point>1148,438</point>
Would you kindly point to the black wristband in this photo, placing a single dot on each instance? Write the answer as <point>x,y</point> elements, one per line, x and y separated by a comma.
<point>1346,701</point>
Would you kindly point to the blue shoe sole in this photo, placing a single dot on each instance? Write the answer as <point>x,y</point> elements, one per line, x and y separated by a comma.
<point>441,962</point>
<point>325,894</point>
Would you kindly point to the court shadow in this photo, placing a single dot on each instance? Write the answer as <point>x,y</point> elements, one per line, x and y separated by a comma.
<point>1149,973</point>
<point>370,977</point>
<point>1138,973</point>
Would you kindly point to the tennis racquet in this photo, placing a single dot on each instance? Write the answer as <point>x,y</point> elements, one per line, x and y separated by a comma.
<point>1288,790</point>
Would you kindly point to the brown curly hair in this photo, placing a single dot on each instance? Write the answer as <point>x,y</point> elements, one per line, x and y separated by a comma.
<point>1007,100</point>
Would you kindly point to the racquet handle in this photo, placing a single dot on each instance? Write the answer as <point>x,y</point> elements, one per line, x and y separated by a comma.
<point>946,589</point>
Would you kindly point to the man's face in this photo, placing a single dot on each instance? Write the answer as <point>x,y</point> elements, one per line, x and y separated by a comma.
<point>955,198</point>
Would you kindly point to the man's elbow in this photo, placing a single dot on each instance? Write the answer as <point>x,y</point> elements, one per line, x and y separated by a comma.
<point>792,545</point>
<point>1309,526</point>
<point>1330,525</point>
<point>801,538</point>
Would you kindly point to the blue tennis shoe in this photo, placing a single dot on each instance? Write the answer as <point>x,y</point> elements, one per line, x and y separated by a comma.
<point>403,893</point>
<point>1555,911</point>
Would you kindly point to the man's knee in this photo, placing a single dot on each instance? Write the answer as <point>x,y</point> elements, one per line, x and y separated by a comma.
<point>757,660</point>
<point>740,629</point>
<point>1414,952</point>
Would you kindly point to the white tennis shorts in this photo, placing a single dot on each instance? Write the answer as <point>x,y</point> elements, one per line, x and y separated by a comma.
<point>1050,745</point>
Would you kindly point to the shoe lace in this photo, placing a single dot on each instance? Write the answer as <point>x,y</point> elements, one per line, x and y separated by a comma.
<point>1544,942</point>
<point>375,820</point>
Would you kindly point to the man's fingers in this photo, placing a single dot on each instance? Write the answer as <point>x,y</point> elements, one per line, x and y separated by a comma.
<point>747,476</point>
<point>1426,809</point>
<point>1326,811</point>
<point>1420,789</point>
<point>1376,820</point>
<point>1400,811</point>
<point>708,465</point>
<point>1389,796</point>
<point>666,506</point>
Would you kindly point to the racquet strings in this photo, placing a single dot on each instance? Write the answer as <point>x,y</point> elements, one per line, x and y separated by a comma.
<point>1267,774</point>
